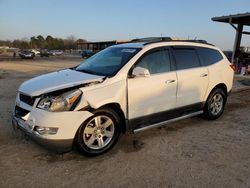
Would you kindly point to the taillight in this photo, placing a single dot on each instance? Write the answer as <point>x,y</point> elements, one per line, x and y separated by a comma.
<point>232,66</point>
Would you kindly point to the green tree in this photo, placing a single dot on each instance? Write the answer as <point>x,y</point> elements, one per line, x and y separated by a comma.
<point>24,45</point>
<point>70,42</point>
<point>49,42</point>
<point>33,42</point>
<point>41,41</point>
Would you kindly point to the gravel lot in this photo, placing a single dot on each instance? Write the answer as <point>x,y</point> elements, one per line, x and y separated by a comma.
<point>189,153</point>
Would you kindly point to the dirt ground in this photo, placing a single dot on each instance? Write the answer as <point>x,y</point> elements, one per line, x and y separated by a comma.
<point>189,153</point>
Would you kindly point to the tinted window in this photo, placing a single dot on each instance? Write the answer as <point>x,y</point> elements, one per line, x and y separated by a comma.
<point>209,56</point>
<point>156,62</point>
<point>228,54</point>
<point>186,58</point>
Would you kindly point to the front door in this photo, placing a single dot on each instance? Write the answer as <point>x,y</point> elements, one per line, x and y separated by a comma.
<point>157,92</point>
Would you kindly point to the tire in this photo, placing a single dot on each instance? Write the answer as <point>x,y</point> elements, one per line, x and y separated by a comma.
<point>91,139</point>
<point>215,104</point>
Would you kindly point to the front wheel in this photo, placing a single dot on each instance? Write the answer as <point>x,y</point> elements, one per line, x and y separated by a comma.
<point>98,133</point>
<point>215,104</point>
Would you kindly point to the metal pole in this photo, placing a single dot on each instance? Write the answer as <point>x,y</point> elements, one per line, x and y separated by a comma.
<point>237,41</point>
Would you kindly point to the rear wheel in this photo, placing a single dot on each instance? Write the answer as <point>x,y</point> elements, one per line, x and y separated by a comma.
<point>215,104</point>
<point>98,133</point>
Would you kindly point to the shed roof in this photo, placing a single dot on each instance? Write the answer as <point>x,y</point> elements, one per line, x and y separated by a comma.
<point>234,19</point>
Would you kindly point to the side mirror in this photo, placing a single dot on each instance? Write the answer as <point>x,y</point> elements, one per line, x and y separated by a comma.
<point>140,72</point>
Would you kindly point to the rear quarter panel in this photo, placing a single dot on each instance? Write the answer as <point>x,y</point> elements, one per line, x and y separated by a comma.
<point>220,72</point>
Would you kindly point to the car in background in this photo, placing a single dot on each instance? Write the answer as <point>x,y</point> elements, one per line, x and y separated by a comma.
<point>26,54</point>
<point>36,52</point>
<point>87,53</point>
<point>45,53</point>
<point>56,52</point>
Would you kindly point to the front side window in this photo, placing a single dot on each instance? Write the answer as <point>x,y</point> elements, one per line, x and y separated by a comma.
<point>107,62</point>
<point>156,62</point>
<point>209,56</point>
<point>186,58</point>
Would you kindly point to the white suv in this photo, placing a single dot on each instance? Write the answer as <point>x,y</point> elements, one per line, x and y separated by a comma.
<point>134,86</point>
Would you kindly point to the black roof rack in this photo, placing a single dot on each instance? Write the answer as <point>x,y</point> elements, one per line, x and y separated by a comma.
<point>152,40</point>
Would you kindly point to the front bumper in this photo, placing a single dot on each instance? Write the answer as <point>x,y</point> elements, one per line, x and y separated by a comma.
<point>66,122</point>
<point>57,145</point>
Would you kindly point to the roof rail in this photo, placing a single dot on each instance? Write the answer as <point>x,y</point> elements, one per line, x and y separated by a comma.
<point>195,41</point>
<point>152,40</point>
<point>199,41</point>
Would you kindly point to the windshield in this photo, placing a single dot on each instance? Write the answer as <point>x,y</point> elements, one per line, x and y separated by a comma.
<point>107,62</point>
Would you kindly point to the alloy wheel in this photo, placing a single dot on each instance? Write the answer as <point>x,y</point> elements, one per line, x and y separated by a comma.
<point>216,104</point>
<point>98,132</point>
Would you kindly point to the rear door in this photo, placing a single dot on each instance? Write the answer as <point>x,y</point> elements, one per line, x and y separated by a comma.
<point>192,77</point>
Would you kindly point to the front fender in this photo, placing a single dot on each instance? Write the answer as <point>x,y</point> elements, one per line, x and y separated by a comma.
<point>109,93</point>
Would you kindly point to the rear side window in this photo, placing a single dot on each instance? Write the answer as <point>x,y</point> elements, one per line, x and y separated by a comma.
<point>209,56</point>
<point>186,58</point>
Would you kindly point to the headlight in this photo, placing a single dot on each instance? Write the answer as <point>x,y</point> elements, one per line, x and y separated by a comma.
<point>64,102</point>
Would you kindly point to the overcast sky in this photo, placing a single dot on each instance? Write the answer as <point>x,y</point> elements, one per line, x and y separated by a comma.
<point>96,20</point>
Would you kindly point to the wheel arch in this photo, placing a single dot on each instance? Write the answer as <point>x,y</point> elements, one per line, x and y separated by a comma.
<point>206,109</point>
<point>220,85</point>
<point>117,108</point>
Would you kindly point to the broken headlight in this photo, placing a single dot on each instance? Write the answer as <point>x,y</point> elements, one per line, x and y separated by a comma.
<point>64,102</point>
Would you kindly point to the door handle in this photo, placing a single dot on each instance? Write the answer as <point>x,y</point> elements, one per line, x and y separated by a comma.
<point>204,75</point>
<point>169,81</point>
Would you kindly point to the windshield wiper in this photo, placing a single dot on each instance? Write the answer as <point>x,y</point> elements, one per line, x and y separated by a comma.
<point>89,72</point>
<point>85,71</point>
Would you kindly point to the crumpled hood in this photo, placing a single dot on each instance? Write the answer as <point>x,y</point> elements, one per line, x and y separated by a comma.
<point>56,81</point>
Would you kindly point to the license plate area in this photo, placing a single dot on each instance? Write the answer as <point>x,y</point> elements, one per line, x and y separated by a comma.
<point>20,124</point>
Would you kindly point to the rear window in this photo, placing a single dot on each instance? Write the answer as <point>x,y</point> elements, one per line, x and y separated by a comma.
<point>209,56</point>
<point>186,58</point>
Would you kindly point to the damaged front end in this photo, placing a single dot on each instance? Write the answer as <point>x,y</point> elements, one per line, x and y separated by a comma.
<point>51,118</point>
